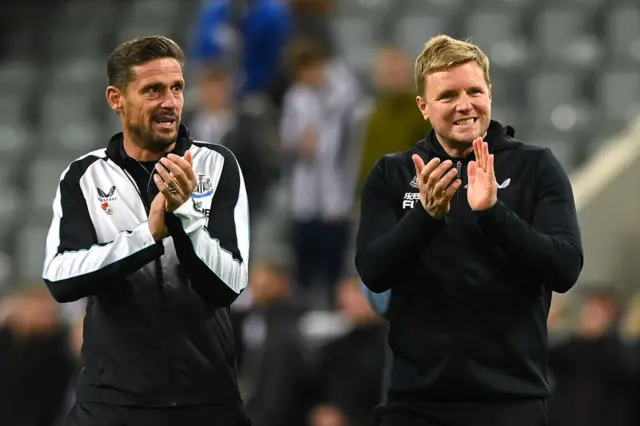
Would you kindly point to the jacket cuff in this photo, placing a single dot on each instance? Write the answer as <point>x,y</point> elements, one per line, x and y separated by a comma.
<point>493,216</point>
<point>420,217</point>
<point>143,232</point>
<point>191,218</point>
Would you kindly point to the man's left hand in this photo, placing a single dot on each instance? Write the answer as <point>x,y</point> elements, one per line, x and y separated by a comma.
<point>175,179</point>
<point>482,189</point>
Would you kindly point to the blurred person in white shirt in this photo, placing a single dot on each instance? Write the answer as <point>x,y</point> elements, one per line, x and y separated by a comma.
<point>320,127</point>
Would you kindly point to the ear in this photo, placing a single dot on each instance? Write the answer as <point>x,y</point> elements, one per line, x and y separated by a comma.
<point>422,106</point>
<point>490,92</point>
<point>114,98</point>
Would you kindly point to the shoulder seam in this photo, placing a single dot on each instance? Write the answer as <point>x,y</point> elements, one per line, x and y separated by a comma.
<point>219,148</point>
<point>94,156</point>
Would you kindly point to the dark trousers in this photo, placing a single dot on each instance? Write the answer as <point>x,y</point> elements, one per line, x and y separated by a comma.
<point>319,249</point>
<point>524,413</point>
<point>97,414</point>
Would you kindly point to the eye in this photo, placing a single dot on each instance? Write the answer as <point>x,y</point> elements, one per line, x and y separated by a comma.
<point>177,88</point>
<point>153,92</point>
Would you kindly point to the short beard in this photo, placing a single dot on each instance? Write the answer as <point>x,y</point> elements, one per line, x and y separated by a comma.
<point>456,144</point>
<point>146,140</point>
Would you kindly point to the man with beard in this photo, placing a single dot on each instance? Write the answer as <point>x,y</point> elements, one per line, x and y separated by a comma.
<point>472,230</point>
<point>131,232</point>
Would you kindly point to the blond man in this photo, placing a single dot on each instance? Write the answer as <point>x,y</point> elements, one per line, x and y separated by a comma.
<point>472,230</point>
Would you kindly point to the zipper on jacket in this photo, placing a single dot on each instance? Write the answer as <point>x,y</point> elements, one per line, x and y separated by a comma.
<point>159,285</point>
<point>165,305</point>
<point>459,240</point>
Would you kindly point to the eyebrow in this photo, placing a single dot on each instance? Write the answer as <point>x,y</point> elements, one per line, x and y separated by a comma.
<point>445,93</point>
<point>159,84</point>
<point>452,92</point>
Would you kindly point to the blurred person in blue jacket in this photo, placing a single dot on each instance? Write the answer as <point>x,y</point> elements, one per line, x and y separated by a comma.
<point>248,33</point>
<point>380,305</point>
<point>379,301</point>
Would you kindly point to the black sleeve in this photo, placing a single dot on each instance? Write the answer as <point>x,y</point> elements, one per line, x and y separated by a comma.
<point>548,250</point>
<point>215,253</point>
<point>383,243</point>
<point>76,266</point>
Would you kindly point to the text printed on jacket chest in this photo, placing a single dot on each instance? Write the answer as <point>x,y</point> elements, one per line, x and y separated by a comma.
<point>412,194</point>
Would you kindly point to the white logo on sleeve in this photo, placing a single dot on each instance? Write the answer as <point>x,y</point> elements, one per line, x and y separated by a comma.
<point>504,184</point>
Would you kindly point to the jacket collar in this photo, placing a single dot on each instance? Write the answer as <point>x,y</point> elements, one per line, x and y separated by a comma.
<point>116,152</point>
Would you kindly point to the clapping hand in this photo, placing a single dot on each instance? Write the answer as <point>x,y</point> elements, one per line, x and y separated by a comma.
<point>156,222</point>
<point>436,187</point>
<point>482,189</point>
<point>175,179</point>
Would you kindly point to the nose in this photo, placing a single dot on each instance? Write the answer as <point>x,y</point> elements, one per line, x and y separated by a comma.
<point>464,104</point>
<point>169,101</point>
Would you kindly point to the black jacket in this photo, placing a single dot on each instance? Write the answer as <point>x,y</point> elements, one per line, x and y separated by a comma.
<point>471,291</point>
<point>157,330</point>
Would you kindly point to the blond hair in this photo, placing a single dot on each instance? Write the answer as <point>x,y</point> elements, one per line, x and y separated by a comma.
<point>443,52</point>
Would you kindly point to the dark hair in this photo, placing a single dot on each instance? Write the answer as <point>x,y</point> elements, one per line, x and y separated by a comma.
<point>304,52</point>
<point>137,52</point>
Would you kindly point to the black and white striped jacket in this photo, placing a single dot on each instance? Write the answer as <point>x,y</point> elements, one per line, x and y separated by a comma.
<point>157,329</point>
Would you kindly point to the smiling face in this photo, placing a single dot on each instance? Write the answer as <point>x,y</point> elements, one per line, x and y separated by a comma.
<point>457,102</point>
<point>150,106</point>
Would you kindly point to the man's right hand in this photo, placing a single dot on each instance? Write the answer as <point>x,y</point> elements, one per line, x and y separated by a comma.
<point>156,218</point>
<point>438,183</point>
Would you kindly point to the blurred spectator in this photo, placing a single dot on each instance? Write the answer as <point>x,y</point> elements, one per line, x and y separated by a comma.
<point>320,127</point>
<point>327,415</point>
<point>556,311</point>
<point>594,374</point>
<point>350,376</point>
<point>311,21</point>
<point>77,331</point>
<point>630,325</point>
<point>246,34</point>
<point>395,123</point>
<point>630,335</point>
<point>379,301</point>
<point>36,360</point>
<point>246,131</point>
<point>76,338</point>
<point>274,369</point>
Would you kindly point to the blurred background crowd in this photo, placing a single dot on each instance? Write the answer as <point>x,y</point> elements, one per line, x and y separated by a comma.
<point>308,94</point>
